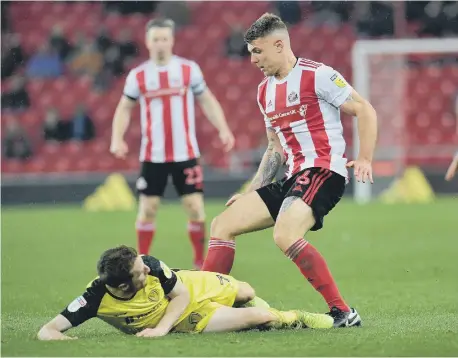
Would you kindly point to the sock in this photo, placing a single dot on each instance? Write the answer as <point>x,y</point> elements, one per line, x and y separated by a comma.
<point>145,234</point>
<point>314,268</point>
<point>220,256</point>
<point>196,231</point>
<point>285,319</point>
<point>256,302</point>
<point>299,319</point>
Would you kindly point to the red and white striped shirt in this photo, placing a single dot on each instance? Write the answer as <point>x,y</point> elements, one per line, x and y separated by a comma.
<point>303,109</point>
<point>166,96</point>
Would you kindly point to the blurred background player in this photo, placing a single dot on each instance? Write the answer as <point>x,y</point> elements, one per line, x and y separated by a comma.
<point>166,85</point>
<point>143,296</point>
<point>300,101</point>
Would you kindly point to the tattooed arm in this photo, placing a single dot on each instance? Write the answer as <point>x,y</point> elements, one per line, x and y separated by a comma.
<point>270,164</point>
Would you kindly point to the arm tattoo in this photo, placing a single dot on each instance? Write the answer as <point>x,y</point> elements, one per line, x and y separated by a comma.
<point>271,168</point>
<point>288,202</point>
<point>270,165</point>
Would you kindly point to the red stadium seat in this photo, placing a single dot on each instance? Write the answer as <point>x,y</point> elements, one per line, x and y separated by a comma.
<point>428,91</point>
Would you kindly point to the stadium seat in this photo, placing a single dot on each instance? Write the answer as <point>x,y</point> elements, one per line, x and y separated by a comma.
<point>427,110</point>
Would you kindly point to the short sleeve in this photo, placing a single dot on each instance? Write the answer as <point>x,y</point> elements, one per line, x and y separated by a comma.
<point>85,306</point>
<point>131,88</point>
<point>198,84</point>
<point>266,119</point>
<point>331,86</point>
<point>166,276</point>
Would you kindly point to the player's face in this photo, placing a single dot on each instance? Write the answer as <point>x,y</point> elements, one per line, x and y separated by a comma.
<point>139,273</point>
<point>159,41</point>
<point>266,54</point>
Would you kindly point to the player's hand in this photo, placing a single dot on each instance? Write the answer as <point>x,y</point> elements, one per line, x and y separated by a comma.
<point>119,149</point>
<point>151,332</point>
<point>451,171</point>
<point>67,338</point>
<point>362,169</point>
<point>227,138</point>
<point>58,337</point>
<point>233,199</point>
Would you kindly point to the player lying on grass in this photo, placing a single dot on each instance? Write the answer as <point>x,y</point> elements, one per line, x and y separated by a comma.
<point>141,295</point>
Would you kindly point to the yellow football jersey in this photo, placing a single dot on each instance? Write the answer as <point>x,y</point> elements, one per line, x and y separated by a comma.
<point>143,310</point>
<point>208,291</point>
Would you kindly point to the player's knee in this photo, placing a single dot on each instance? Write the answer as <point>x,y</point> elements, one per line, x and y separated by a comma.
<point>195,211</point>
<point>147,212</point>
<point>281,238</point>
<point>222,228</point>
<point>216,226</point>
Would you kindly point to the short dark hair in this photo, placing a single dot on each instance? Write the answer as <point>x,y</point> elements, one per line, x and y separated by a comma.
<point>264,26</point>
<point>160,22</point>
<point>115,264</point>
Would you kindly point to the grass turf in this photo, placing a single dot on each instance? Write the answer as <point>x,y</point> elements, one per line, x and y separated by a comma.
<point>396,264</point>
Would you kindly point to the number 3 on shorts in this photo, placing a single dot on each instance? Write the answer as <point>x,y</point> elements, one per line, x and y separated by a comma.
<point>194,176</point>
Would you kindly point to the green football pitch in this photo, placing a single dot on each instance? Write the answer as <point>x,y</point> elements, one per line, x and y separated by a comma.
<point>396,264</point>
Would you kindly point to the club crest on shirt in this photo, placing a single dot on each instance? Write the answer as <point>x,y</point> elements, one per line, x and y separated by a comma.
<point>154,295</point>
<point>292,97</point>
<point>195,318</point>
<point>303,110</point>
<point>338,81</point>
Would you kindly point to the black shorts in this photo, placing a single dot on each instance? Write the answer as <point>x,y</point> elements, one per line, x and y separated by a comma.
<point>187,177</point>
<point>319,188</point>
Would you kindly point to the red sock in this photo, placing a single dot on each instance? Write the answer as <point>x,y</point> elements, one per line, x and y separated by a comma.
<point>316,271</point>
<point>145,234</point>
<point>196,231</point>
<point>220,256</point>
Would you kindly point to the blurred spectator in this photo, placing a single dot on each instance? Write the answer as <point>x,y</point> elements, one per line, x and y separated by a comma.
<point>86,61</point>
<point>330,13</point>
<point>54,128</point>
<point>375,18</point>
<point>178,11</point>
<point>440,19</point>
<point>451,11</point>
<point>16,144</point>
<point>131,7</point>
<point>127,47</point>
<point>103,40</point>
<point>103,80</point>
<point>45,63</point>
<point>5,19</point>
<point>13,56</point>
<point>235,44</point>
<point>113,61</point>
<point>59,43</point>
<point>80,41</point>
<point>82,125</point>
<point>433,20</point>
<point>415,10</point>
<point>289,11</point>
<point>17,97</point>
